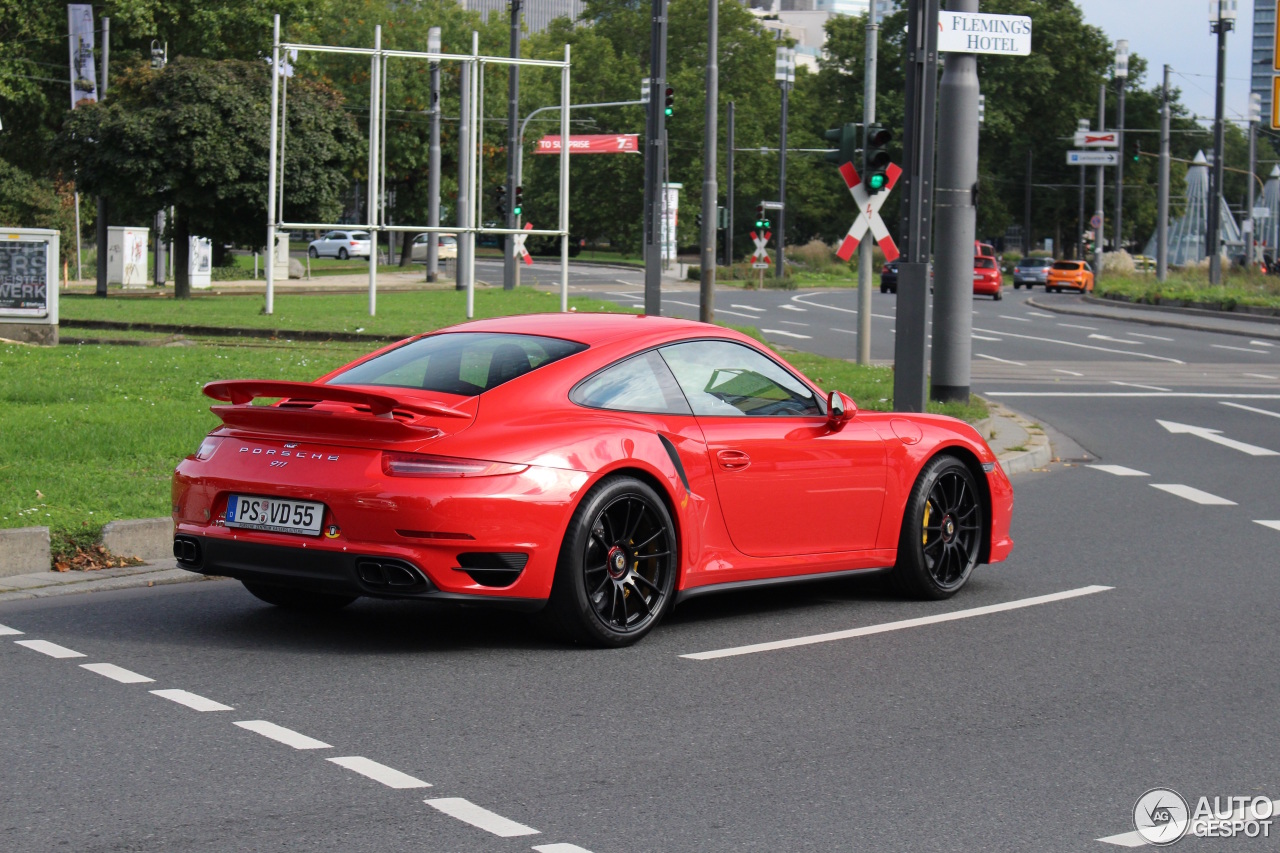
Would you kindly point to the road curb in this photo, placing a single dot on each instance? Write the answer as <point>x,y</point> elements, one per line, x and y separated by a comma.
<point>147,539</point>
<point>21,548</point>
<point>1026,444</point>
<point>1168,322</point>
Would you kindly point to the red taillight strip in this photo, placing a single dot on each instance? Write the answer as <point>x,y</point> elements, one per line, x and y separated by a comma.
<point>423,465</point>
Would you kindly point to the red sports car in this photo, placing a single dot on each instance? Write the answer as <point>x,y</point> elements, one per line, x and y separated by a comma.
<point>596,467</point>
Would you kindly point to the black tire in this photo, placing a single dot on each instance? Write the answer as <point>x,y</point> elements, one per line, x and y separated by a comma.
<point>342,254</point>
<point>617,570</point>
<point>884,289</point>
<point>1017,286</point>
<point>998,296</point>
<point>298,599</point>
<point>937,555</point>
<point>312,252</point>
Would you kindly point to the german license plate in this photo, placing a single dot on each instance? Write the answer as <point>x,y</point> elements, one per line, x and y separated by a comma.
<point>276,515</point>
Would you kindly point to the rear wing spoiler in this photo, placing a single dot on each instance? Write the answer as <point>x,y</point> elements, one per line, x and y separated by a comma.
<point>238,392</point>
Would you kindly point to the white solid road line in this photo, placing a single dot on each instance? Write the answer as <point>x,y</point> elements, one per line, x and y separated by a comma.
<point>116,673</point>
<point>1043,340</point>
<point>1001,360</point>
<point>793,323</point>
<point>1074,326</point>
<point>288,737</point>
<point>1137,385</point>
<point>1151,337</point>
<point>1115,340</point>
<point>468,812</point>
<point>1251,409</point>
<point>1192,494</point>
<point>1119,470</point>
<point>388,776</point>
<point>786,334</point>
<point>1008,317</point>
<point>6,631</point>
<point>560,848</point>
<point>1240,349</point>
<point>737,314</point>
<point>896,626</point>
<point>45,647</point>
<point>1274,525</point>
<point>1259,376</point>
<point>745,307</point>
<point>838,308</point>
<point>194,701</point>
<point>1067,372</point>
<point>844,331</point>
<point>985,338</point>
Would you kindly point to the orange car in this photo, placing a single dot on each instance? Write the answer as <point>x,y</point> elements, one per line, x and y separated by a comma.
<point>1077,275</point>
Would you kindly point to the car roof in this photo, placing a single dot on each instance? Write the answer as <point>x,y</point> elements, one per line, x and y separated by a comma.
<point>596,329</point>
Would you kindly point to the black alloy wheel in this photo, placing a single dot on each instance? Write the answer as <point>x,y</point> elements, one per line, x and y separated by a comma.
<point>298,599</point>
<point>617,568</point>
<point>942,531</point>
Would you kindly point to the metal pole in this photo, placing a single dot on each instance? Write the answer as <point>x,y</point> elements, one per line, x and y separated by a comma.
<point>1212,244</point>
<point>1162,189</point>
<point>433,173</point>
<point>79,271</point>
<point>728,190</point>
<point>1098,232</point>
<point>865,267</point>
<point>476,100</point>
<point>956,222</point>
<point>375,90</point>
<point>462,264</point>
<point>284,124</point>
<point>510,272</point>
<point>564,182</point>
<point>780,267</point>
<point>158,262</point>
<point>1119,239</point>
<point>710,193</point>
<point>101,225</point>
<point>269,306</point>
<point>909,375</point>
<point>655,142</point>
<point>1253,168</point>
<point>1026,209</point>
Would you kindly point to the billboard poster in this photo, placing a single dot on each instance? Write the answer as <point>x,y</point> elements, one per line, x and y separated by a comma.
<point>600,143</point>
<point>84,75</point>
<point>670,218</point>
<point>24,278</point>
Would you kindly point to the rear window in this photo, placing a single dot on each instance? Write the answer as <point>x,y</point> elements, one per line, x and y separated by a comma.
<point>984,263</point>
<point>359,235</point>
<point>1032,263</point>
<point>465,363</point>
<point>1070,266</point>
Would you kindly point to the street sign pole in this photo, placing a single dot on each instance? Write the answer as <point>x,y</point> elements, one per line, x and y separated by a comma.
<point>654,145</point>
<point>1097,232</point>
<point>865,270</point>
<point>956,223</point>
<point>917,210</point>
<point>1162,190</point>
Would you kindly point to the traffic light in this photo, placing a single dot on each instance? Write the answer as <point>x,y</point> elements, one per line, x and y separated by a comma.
<point>519,206</point>
<point>500,199</point>
<point>699,220</point>
<point>669,101</point>
<point>846,143</point>
<point>762,218</point>
<point>1137,151</point>
<point>878,139</point>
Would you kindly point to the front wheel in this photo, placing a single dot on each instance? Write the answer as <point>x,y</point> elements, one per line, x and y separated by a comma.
<point>942,531</point>
<point>342,254</point>
<point>617,568</point>
<point>312,252</point>
<point>298,599</point>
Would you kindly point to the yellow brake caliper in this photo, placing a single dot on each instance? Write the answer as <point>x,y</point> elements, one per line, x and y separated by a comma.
<point>924,539</point>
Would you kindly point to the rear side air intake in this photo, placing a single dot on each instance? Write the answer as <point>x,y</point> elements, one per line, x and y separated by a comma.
<point>493,569</point>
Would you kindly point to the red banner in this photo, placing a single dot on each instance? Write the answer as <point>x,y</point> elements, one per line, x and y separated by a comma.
<point>606,143</point>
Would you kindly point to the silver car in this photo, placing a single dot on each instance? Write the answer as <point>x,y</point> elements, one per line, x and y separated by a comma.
<point>1031,271</point>
<point>341,245</point>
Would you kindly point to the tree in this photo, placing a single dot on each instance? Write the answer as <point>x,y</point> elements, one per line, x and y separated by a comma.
<point>195,137</point>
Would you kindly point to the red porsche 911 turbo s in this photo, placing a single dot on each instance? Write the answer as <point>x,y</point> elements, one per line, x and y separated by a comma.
<point>597,468</point>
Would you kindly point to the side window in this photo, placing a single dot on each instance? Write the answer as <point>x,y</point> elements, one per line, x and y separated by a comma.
<point>726,379</point>
<point>642,383</point>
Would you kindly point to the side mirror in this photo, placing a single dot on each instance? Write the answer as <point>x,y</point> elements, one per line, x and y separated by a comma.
<point>840,410</point>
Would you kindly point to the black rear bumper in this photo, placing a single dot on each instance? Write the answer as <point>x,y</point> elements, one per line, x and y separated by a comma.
<point>318,570</point>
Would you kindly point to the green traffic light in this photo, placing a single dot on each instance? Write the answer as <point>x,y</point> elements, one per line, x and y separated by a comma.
<point>876,181</point>
<point>518,211</point>
<point>670,112</point>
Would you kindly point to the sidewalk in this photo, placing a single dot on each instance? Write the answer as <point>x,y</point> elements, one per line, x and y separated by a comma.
<point>1193,319</point>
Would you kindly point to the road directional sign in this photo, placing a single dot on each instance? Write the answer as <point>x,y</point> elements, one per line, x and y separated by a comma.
<point>1092,158</point>
<point>1216,436</point>
<point>1097,139</point>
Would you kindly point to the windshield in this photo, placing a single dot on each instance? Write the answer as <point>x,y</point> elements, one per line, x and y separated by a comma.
<point>465,363</point>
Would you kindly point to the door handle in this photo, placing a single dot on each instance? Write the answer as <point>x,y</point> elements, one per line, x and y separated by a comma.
<point>733,460</point>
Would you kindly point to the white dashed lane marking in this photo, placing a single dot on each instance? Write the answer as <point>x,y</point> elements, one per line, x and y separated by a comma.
<point>1001,360</point>
<point>1044,340</point>
<point>1192,494</point>
<point>745,307</point>
<point>116,673</point>
<point>45,647</point>
<point>786,307</point>
<point>1150,337</point>
<point>1138,385</point>
<point>1110,339</point>
<point>194,701</point>
<point>1011,317</point>
<point>1118,470</point>
<point>1274,525</point>
<point>786,334</point>
<point>6,631</point>
<point>1240,349</point>
<point>1251,409</point>
<point>388,776</point>
<point>1260,376</point>
<point>985,338</point>
<point>468,812</point>
<point>1067,372</point>
<point>288,737</point>
<point>896,626</point>
<point>1040,314</point>
<point>1260,344</point>
<point>1074,326</point>
<point>560,848</point>
<point>793,323</point>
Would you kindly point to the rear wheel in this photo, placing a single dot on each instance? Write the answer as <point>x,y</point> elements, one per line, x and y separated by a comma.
<point>298,599</point>
<point>617,568</point>
<point>942,531</point>
<point>998,296</point>
<point>342,254</point>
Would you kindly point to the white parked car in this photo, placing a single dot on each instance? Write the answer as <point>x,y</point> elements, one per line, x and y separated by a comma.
<point>341,245</point>
<point>446,249</point>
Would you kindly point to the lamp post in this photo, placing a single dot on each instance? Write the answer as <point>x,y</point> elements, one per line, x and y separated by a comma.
<point>433,164</point>
<point>1082,125</point>
<point>1222,19</point>
<point>785,73</point>
<point>1122,74</point>
<point>1255,115</point>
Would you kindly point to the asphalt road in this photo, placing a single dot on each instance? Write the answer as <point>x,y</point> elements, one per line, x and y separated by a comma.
<point>1129,643</point>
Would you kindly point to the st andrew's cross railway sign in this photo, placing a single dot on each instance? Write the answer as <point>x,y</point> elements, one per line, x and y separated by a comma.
<point>518,244</point>
<point>760,259</point>
<point>868,213</point>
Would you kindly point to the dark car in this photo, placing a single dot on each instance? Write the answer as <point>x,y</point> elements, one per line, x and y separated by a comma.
<point>1031,271</point>
<point>889,278</point>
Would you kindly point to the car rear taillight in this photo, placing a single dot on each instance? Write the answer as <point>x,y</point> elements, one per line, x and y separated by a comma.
<point>207,447</point>
<point>354,243</point>
<point>422,465</point>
